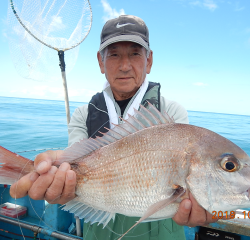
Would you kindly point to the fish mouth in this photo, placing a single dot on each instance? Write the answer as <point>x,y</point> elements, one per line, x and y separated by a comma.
<point>247,193</point>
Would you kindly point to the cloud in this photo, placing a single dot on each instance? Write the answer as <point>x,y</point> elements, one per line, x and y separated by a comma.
<point>22,34</point>
<point>238,8</point>
<point>196,3</point>
<point>56,23</point>
<point>212,4</point>
<point>110,12</point>
<point>200,84</point>
<point>4,34</point>
<point>209,4</point>
<point>4,29</point>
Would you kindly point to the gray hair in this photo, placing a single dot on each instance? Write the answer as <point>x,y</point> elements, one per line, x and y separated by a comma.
<point>102,52</point>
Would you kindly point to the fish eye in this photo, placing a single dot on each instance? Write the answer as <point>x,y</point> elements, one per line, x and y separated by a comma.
<point>230,166</point>
<point>229,162</point>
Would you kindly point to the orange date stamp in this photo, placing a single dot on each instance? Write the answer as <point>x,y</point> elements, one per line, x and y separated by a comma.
<point>230,215</point>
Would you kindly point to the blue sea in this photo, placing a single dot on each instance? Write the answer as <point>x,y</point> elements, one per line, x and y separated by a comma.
<point>28,126</point>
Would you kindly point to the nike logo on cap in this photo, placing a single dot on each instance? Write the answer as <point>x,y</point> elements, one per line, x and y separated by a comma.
<point>122,25</point>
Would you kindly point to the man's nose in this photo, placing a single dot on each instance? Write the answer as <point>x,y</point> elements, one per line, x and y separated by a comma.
<point>125,64</point>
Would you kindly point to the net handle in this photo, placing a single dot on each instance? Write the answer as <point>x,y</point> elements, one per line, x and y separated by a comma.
<point>20,21</point>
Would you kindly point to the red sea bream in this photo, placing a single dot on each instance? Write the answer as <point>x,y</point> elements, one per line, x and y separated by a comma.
<point>145,167</point>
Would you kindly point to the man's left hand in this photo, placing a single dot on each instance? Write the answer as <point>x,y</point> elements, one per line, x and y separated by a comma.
<point>191,214</point>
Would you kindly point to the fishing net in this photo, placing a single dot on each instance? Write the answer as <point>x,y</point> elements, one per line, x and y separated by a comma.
<point>39,27</point>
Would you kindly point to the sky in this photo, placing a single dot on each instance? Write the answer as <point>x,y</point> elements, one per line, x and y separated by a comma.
<point>201,51</point>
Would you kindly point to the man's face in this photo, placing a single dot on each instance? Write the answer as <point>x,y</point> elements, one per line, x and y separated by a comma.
<point>125,65</point>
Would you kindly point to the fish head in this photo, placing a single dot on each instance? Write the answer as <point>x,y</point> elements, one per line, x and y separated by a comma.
<point>219,175</point>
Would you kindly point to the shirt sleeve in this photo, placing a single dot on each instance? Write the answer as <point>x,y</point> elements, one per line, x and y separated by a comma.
<point>77,127</point>
<point>175,110</point>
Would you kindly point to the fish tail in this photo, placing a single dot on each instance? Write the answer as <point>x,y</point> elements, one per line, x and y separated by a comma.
<point>13,166</point>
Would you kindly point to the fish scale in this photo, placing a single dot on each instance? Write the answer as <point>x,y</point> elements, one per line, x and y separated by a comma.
<point>134,184</point>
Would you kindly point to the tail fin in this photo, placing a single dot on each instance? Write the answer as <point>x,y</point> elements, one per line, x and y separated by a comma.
<point>13,166</point>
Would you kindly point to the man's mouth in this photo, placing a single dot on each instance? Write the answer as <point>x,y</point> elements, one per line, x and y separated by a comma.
<point>124,78</point>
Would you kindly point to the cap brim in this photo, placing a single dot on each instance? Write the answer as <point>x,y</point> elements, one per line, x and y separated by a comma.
<point>122,38</point>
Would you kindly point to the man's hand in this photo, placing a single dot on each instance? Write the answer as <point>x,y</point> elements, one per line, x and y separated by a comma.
<point>191,214</point>
<point>55,185</point>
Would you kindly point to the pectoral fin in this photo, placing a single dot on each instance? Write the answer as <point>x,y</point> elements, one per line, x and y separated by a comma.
<point>178,192</point>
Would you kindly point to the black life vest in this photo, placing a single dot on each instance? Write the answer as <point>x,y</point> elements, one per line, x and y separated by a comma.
<point>98,117</point>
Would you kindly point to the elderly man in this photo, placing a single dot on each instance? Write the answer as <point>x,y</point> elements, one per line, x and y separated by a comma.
<point>125,58</point>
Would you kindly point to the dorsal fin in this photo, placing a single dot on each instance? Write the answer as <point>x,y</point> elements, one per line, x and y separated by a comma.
<point>154,120</point>
<point>142,119</point>
<point>169,119</point>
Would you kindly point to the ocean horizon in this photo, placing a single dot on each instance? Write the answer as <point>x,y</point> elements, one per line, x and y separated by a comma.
<point>87,102</point>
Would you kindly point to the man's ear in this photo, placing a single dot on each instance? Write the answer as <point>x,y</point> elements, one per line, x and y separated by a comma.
<point>101,64</point>
<point>149,61</point>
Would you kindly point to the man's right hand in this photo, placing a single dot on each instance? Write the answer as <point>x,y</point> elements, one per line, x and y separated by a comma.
<point>47,182</point>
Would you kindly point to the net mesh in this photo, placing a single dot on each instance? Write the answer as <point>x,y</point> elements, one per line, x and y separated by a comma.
<point>59,24</point>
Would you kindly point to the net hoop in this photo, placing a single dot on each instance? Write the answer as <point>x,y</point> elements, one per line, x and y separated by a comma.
<point>73,46</point>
